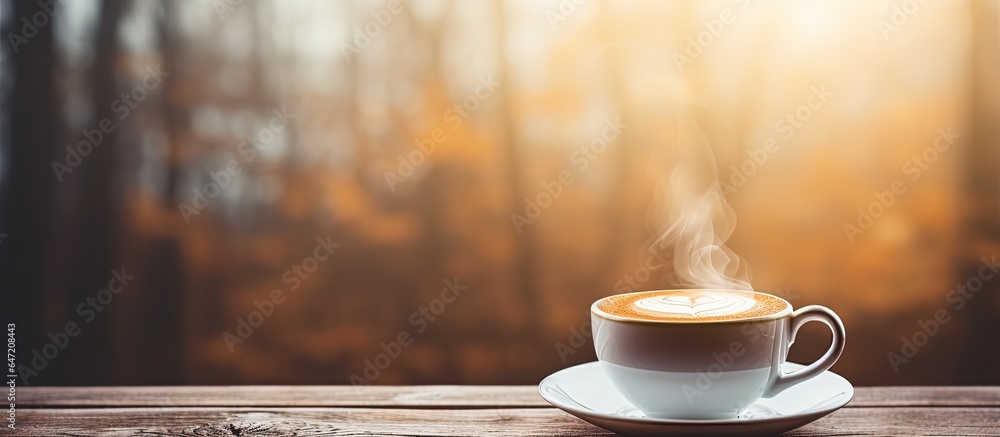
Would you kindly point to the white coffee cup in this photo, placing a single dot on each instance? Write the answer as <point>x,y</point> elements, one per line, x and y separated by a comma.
<point>684,357</point>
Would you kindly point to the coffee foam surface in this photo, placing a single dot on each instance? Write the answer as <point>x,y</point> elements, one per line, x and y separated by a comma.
<point>692,305</point>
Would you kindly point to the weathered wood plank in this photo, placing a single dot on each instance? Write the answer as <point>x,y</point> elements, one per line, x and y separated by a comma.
<point>418,396</point>
<point>906,421</point>
<point>498,422</point>
<point>926,396</point>
<point>437,396</point>
<point>300,422</point>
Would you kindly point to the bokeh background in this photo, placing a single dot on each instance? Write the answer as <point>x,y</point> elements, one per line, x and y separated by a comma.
<point>366,82</point>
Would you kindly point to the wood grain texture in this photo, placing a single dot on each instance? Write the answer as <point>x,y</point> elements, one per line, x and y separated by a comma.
<point>906,421</point>
<point>301,422</point>
<point>436,396</point>
<point>496,422</point>
<point>440,396</point>
<point>436,411</point>
<point>926,396</point>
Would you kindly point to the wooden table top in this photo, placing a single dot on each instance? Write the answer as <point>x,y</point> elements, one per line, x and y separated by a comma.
<point>435,410</point>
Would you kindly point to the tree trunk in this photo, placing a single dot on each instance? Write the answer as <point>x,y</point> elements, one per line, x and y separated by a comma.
<point>982,228</point>
<point>98,210</point>
<point>27,191</point>
<point>525,248</point>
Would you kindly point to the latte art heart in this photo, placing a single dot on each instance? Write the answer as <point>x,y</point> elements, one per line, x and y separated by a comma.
<point>693,305</point>
<point>705,304</point>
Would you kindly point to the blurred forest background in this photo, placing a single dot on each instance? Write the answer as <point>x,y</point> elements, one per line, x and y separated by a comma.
<point>364,91</point>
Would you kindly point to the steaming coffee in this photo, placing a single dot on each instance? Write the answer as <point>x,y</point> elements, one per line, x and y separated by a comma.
<point>693,305</point>
<point>675,353</point>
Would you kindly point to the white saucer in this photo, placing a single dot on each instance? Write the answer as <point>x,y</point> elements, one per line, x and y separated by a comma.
<point>585,392</point>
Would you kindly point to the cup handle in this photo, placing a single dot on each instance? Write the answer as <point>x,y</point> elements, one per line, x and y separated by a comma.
<point>800,317</point>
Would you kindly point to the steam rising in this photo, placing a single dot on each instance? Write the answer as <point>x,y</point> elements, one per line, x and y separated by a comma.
<point>690,220</point>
